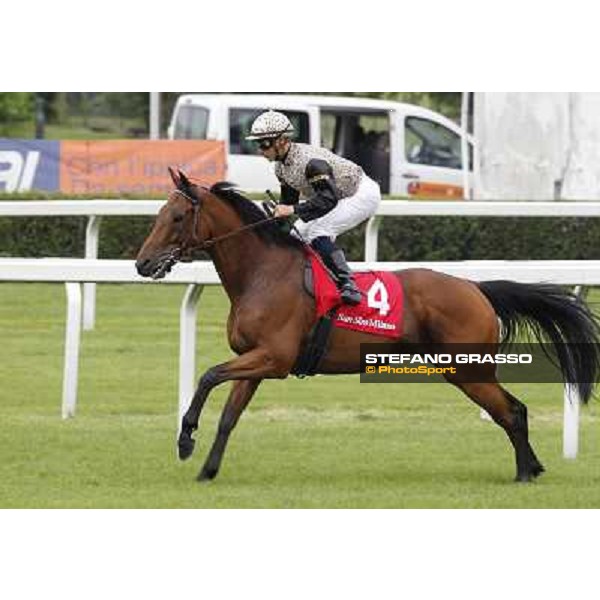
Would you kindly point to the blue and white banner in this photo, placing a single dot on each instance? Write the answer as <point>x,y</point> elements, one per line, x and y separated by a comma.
<point>29,164</point>
<point>111,166</point>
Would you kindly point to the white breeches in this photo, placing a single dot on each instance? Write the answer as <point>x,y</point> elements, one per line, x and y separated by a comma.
<point>349,213</point>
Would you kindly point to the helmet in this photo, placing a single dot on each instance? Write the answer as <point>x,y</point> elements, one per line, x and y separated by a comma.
<point>270,125</point>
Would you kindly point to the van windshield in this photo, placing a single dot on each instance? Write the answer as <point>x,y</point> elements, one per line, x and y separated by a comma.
<point>191,123</point>
<point>429,143</point>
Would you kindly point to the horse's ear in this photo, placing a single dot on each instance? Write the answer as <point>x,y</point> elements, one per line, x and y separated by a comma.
<point>183,178</point>
<point>174,177</point>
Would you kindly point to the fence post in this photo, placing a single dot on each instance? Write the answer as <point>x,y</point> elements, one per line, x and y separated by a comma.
<point>72,345</point>
<point>187,348</point>
<point>571,422</point>
<point>92,235</point>
<point>372,240</point>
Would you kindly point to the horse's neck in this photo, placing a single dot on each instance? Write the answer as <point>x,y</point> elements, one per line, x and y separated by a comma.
<point>244,259</point>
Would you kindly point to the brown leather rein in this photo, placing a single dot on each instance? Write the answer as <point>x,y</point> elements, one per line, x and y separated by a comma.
<point>206,245</point>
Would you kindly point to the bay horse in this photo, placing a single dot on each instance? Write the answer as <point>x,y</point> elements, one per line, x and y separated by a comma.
<point>262,271</point>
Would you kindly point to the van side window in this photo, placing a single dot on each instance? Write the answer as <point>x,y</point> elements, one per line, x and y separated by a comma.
<point>362,137</point>
<point>191,123</point>
<point>429,143</point>
<point>240,124</point>
<point>329,128</point>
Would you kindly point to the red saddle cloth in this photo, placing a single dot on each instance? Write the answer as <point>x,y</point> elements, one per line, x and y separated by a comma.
<point>381,311</point>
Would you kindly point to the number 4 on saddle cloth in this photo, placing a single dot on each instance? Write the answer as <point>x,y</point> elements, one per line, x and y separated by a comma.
<point>381,312</point>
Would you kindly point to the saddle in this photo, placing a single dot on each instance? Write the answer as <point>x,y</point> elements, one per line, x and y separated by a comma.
<point>381,313</point>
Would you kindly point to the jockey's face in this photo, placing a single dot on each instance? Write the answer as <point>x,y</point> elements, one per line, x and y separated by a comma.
<point>274,150</point>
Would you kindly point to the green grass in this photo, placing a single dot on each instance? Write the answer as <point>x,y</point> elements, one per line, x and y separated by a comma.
<point>325,442</point>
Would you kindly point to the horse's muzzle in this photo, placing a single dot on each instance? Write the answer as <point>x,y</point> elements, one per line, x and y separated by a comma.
<point>160,267</point>
<point>144,267</point>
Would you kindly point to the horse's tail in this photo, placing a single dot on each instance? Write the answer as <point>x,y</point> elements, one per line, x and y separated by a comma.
<point>551,313</point>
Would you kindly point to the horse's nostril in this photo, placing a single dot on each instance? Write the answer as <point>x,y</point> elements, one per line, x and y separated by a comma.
<point>142,267</point>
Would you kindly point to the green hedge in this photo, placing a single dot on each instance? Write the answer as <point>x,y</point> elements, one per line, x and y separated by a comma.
<point>444,239</point>
<point>410,239</point>
<point>120,237</point>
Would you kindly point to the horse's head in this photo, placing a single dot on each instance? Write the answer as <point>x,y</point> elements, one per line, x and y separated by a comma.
<point>177,230</point>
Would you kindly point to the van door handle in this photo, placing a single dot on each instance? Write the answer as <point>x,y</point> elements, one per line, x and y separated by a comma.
<point>410,176</point>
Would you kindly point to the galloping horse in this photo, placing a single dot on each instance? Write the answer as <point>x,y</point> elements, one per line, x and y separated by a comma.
<point>262,271</point>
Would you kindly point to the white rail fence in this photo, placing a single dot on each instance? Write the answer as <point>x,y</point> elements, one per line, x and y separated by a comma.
<point>86,273</point>
<point>95,210</point>
<point>77,272</point>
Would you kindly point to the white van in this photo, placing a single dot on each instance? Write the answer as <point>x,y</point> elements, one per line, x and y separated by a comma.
<point>410,151</point>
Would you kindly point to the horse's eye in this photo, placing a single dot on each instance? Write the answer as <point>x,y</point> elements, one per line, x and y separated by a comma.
<point>178,218</point>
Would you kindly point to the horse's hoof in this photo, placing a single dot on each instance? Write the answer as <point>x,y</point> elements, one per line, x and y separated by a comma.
<point>538,470</point>
<point>527,478</point>
<point>186,447</point>
<point>524,479</point>
<point>531,475</point>
<point>207,475</point>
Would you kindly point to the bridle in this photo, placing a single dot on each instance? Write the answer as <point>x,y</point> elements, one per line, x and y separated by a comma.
<point>208,244</point>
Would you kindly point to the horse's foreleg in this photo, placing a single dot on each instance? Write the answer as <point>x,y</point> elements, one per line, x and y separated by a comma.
<point>255,365</point>
<point>241,395</point>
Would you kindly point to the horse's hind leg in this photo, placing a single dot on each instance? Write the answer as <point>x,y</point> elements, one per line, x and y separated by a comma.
<point>510,414</point>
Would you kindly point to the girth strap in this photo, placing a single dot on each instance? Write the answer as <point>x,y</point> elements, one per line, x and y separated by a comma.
<point>309,361</point>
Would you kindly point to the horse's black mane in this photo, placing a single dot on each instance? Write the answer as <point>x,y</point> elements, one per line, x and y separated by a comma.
<point>250,214</point>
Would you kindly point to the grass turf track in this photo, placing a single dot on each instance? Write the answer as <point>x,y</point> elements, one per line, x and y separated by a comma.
<point>321,443</point>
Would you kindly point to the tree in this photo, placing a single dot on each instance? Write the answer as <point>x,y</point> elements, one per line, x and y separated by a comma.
<point>447,103</point>
<point>15,109</point>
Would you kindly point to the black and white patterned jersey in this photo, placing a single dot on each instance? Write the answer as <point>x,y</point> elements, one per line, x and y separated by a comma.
<point>292,171</point>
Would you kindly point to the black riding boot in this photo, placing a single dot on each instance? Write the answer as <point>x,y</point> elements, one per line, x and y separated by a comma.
<point>350,293</point>
<point>336,261</point>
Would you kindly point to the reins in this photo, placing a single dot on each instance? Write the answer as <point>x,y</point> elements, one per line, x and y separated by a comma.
<point>210,243</point>
<point>213,242</point>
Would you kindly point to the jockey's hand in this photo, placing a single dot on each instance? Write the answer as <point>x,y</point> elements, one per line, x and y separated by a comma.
<point>283,212</point>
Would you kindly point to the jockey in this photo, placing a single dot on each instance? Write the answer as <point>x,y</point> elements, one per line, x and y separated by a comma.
<point>329,194</point>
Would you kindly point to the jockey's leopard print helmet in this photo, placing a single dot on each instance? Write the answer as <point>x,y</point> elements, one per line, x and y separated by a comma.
<point>270,125</point>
